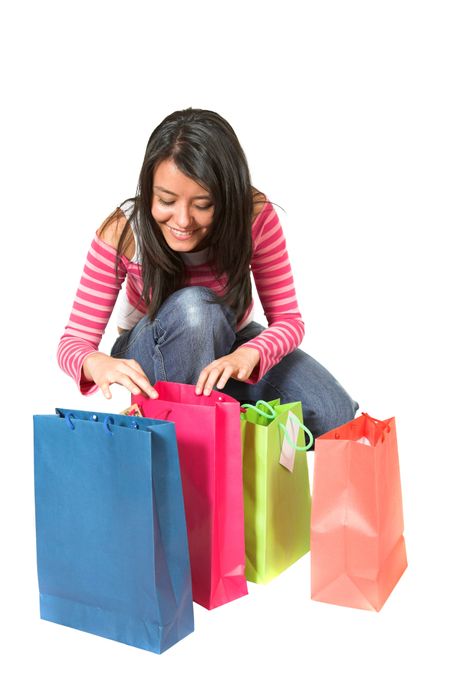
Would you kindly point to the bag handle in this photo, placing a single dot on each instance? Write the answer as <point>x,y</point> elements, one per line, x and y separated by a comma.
<point>384,425</point>
<point>291,442</point>
<point>108,420</point>
<point>272,416</point>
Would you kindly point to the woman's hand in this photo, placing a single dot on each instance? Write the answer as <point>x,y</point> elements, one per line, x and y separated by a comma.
<point>105,370</point>
<point>238,365</point>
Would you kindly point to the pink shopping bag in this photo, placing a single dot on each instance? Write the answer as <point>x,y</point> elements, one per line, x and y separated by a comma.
<point>357,546</point>
<point>209,444</point>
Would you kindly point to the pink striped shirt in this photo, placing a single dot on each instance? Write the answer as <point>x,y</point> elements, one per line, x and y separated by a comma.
<point>99,287</point>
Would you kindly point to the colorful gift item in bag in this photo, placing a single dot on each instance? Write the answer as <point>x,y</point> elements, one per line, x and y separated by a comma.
<point>357,546</point>
<point>111,537</point>
<point>209,446</point>
<point>277,500</point>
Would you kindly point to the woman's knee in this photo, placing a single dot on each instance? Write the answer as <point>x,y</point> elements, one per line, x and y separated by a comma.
<point>193,308</point>
<point>326,404</point>
<point>334,408</point>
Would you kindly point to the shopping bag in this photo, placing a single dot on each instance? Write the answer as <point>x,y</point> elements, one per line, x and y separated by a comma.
<point>112,552</point>
<point>277,500</point>
<point>357,546</point>
<point>209,446</point>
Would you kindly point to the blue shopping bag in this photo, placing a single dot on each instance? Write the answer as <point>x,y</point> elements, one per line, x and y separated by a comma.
<point>112,551</point>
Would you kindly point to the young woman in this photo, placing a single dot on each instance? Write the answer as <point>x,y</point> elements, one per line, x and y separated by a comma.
<point>187,244</point>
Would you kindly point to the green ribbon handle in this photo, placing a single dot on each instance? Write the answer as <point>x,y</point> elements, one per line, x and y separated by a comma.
<point>270,416</point>
<point>289,440</point>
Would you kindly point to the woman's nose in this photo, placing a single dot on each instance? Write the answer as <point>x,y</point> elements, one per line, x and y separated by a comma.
<point>183,217</point>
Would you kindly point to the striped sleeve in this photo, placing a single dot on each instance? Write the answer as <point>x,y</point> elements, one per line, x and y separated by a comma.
<point>94,301</point>
<point>275,285</point>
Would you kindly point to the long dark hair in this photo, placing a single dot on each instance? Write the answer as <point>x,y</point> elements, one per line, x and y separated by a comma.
<point>205,148</point>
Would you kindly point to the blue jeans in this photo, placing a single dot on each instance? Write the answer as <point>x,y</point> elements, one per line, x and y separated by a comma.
<point>189,332</point>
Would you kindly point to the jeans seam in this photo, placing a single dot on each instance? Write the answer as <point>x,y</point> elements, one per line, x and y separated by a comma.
<point>130,343</point>
<point>159,340</point>
<point>136,335</point>
<point>157,352</point>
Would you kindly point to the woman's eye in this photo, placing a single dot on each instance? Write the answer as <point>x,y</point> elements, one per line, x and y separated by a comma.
<point>201,208</point>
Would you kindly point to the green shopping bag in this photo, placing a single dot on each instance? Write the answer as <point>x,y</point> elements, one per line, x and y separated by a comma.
<point>277,500</point>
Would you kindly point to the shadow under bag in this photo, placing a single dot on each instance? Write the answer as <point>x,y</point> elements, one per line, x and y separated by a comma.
<point>111,538</point>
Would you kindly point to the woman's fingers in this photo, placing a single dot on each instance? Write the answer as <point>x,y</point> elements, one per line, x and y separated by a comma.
<point>141,379</point>
<point>211,380</point>
<point>227,373</point>
<point>239,365</point>
<point>206,379</point>
<point>135,365</point>
<point>201,380</point>
<point>127,382</point>
<point>218,373</point>
<point>105,390</point>
<point>126,372</point>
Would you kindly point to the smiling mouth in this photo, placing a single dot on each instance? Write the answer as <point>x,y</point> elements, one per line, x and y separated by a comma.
<point>181,234</point>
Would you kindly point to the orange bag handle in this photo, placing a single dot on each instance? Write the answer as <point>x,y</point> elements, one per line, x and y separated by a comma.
<point>383,424</point>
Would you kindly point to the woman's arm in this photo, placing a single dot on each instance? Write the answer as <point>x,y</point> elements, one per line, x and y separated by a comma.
<point>94,301</point>
<point>275,285</point>
<point>95,298</point>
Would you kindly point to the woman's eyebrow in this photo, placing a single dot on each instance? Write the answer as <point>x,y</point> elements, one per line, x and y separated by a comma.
<point>158,187</point>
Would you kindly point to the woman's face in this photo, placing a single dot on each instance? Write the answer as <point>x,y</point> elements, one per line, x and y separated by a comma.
<point>182,208</point>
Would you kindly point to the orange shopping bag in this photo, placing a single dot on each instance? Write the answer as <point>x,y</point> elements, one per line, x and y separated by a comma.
<point>357,546</point>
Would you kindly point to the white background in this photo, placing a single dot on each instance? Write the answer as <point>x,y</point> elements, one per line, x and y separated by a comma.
<point>343,111</point>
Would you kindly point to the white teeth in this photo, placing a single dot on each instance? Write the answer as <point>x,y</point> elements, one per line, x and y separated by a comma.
<point>180,234</point>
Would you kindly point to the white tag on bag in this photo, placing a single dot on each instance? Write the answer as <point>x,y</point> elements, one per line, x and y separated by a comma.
<point>287,457</point>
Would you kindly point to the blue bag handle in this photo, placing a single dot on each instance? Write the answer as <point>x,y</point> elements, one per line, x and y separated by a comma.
<point>106,419</point>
